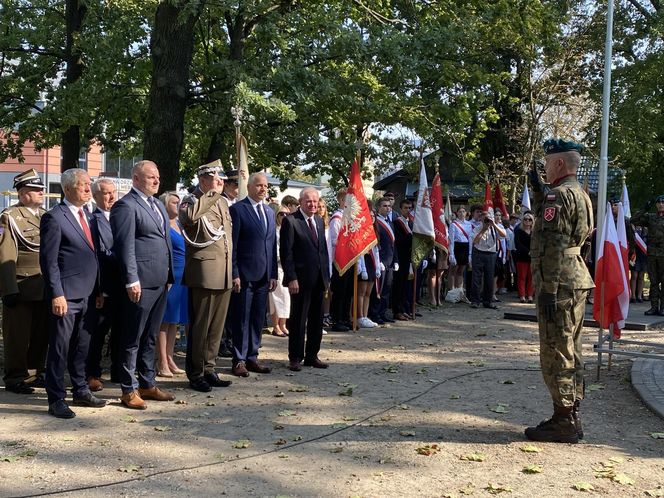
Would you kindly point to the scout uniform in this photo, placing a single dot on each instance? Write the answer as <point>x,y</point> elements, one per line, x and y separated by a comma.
<point>654,222</point>
<point>563,222</point>
<point>24,308</point>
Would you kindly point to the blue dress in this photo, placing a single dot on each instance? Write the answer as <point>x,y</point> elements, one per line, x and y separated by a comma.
<point>177,306</point>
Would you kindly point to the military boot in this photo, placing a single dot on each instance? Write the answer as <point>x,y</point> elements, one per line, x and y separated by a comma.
<point>653,311</point>
<point>577,419</point>
<point>559,428</point>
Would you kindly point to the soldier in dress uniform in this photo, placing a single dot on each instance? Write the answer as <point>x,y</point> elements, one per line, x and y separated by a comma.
<point>24,309</point>
<point>208,272</point>
<point>564,220</point>
<point>229,193</point>
<point>654,222</point>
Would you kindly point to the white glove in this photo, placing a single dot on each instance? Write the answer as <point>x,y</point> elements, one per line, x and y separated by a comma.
<point>382,267</point>
<point>452,260</point>
<point>425,263</point>
<point>396,266</point>
<point>377,273</point>
<point>364,275</point>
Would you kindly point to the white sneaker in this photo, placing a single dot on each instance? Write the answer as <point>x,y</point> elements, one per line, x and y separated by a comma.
<point>373,324</point>
<point>365,323</point>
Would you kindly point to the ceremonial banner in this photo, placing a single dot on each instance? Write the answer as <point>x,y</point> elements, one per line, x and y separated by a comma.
<point>525,199</point>
<point>357,235</point>
<point>623,299</point>
<point>423,230</point>
<point>488,202</point>
<point>448,208</point>
<point>438,212</point>
<point>499,201</point>
<point>611,285</point>
<point>243,168</point>
<point>624,198</point>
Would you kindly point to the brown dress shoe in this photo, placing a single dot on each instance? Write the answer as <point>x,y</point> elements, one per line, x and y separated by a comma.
<point>156,394</point>
<point>256,367</point>
<point>316,363</point>
<point>95,384</point>
<point>240,370</point>
<point>401,317</point>
<point>134,401</point>
<point>294,366</point>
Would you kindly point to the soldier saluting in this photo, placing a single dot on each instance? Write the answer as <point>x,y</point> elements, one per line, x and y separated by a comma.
<point>654,222</point>
<point>564,219</point>
<point>24,309</point>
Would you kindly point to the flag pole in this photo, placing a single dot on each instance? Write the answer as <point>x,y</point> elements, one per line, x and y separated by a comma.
<point>414,293</point>
<point>358,158</point>
<point>600,339</point>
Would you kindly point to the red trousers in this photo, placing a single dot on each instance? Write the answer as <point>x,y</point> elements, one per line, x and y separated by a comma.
<point>524,279</point>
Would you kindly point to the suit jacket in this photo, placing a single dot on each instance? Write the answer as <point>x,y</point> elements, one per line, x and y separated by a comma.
<point>207,262</point>
<point>19,253</point>
<point>68,263</point>
<point>388,256</point>
<point>140,244</point>
<point>254,245</point>
<point>403,240</point>
<point>303,259</point>
<point>109,267</point>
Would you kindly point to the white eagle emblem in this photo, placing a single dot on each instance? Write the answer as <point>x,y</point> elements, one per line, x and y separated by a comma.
<point>350,220</point>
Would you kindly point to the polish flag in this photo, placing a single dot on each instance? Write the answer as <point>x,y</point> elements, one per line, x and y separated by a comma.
<point>488,202</point>
<point>499,201</point>
<point>611,287</point>
<point>438,213</point>
<point>525,199</point>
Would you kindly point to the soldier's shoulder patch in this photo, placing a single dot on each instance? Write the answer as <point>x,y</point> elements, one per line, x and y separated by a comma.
<point>551,196</point>
<point>549,213</point>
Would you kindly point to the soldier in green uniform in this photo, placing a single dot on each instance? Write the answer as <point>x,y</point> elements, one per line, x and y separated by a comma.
<point>654,222</point>
<point>24,309</point>
<point>564,219</point>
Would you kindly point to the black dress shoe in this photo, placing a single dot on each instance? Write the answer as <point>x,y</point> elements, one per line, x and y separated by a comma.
<point>339,327</point>
<point>387,320</point>
<point>20,388</point>
<point>490,306</point>
<point>89,399</point>
<point>59,409</point>
<point>652,312</point>
<point>294,366</point>
<point>200,385</point>
<point>214,380</point>
<point>39,381</point>
<point>378,321</point>
<point>316,363</point>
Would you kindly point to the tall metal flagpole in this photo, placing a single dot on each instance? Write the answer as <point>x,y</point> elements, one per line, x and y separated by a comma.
<point>604,138</point>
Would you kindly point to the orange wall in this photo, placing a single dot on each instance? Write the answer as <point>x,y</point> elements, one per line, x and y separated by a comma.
<point>40,160</point>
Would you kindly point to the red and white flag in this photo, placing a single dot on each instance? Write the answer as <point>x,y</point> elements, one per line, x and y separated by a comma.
<point>438,211</point>
<point>488,202</point>
<point>357,235</point>
<point>611,286</point>
<point>499,201</point>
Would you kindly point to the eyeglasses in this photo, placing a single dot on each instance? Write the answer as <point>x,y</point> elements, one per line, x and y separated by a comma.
<point>527,219</point>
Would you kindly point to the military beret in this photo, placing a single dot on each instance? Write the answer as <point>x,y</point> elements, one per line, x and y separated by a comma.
<point>660,198</point>
<point>556,145</point>
<point>28,178</point>
<point>614,200</point>
<point>233,175</point>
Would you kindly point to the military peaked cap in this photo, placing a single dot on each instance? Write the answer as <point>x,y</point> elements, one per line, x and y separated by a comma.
<point>28,178</point>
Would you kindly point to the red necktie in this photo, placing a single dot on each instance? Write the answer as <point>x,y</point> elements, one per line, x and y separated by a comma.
<point>85,227</point>
<point>313,229</point>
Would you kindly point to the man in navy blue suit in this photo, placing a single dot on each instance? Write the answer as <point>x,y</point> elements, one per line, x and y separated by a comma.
<point>306,268</point>
<point>68,262</point>
<point>254,273</point>
<point>389,261</point>
<point>142,245</point>
<point>108,317</point>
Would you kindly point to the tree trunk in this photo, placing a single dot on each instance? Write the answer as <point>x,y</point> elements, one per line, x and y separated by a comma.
<point>71,138</point>
<point>171,49</point>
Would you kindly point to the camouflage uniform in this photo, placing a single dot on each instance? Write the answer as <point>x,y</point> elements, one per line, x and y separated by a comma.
<point>564,219</point>
<point>655,225</point>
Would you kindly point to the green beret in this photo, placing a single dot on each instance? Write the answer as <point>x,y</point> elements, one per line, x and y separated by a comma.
<point>660,198</point>
<point>556,145</point>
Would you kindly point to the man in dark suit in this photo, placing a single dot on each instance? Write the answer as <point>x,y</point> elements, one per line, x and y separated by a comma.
<point>108,317</point>
<point>306,268</point>
<point>389,261</point>
<point>142,245</point>
<point>68,261</point>
<point>403,243</point>
<point>254,273</point>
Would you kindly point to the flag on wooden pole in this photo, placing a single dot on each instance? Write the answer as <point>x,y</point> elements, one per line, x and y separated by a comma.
<point>525,198</point>
<point>624,198</point>
<point>438,213</point>
<point>356,235</point>
<point>423,230</point>
<point>488,202</point>
<point>499,201</point>
<point>448,208</point>
<point>242,168</point>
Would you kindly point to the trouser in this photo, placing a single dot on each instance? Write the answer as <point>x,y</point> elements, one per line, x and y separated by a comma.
<point>249,307</point>
<point>68,343</point>
<point>399,291</point>
<point>139,334</point>
<point>656,276</point>
<point>25,338</point>
<point>524,279</point>
<point>306,322</point>
<point>208,308</point>
<point>560,347</point>
<point>342,295</point>
<point>484,264</point>
<point>106,319</point>
<point>380,303</point>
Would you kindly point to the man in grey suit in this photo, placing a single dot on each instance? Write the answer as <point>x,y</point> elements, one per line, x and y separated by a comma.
<point>142,246</point>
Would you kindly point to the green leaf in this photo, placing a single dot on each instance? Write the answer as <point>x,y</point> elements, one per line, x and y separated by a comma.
<point>595,387</point>
<point>129,419</point>
<point>428,449</point>
<point>657,435</point>
<point>130,468</point>
<point>499,408</point>
<point>530,448</point>
<point>299,389</point>
<point>163,428</point>
<point>346,392</point>
<point>495,489</point>
<point>583,486</point>
<point>287,413</point>
<point>242,443</point>
<point>391,369</point>
<point>9,458</point>
<point>623,479</point>
<point>532,469</point>
<point>473,457</point>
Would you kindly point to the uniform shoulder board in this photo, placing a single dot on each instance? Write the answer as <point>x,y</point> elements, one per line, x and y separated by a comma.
<point>551,196</point>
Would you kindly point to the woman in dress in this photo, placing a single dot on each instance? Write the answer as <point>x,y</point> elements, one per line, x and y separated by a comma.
<point>280,298</point>
<point>460,230</point>
<point>177,305</point>
<point>522,235</point>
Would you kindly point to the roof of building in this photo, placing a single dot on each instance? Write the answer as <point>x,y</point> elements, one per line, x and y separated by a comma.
<point>589,168</point>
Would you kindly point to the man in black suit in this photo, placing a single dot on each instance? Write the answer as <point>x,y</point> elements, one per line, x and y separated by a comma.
<point>306,268</point>
<point>142,245</point>
<point>108,317</point>
<point>389,262</point>
<point>68,261</point>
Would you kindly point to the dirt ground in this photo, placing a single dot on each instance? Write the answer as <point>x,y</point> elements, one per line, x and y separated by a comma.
<point>435,407</point>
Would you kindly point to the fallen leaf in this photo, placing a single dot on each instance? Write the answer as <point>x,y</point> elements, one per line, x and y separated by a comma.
<point>583,486</point>
<point>508,382</point>
<point>284,456</point>
<point>499,408</point>
<point>391,369</point>
<point>299,389</point>
<point>346,392</point>
<point>495,489</point>
<point>181,402</point>
<point>129,468</point>
<point>473,457</point>
<point>340,425</point>
<point>297,438</point>
<point>8,458</point>
<point>407,433</point>
<point>163,428</point>
<point>336,449</point>
<point>455,396</point>
<point>422,371</point>
<point>242,443</point>
<point>280,442</point>
<point>658,492</point>
<point>476,363</point>
<point>403,407</point>
<point>595,387</point>
<point>219,456</point>
<point>287,413</point>
<point>129,419</point>
<point>468,490</point>
<point>623,479</point>
<point>348,419</point>
<point>278,427</point>
<point>530,448</point>
<point>210,403</point>
<point>532,469</point>
<point>657,435</point>
<point>428,449</point>
<point>280,394</point>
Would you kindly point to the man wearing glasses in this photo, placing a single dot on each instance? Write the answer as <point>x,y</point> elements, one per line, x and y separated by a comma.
<point>654,222</point>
